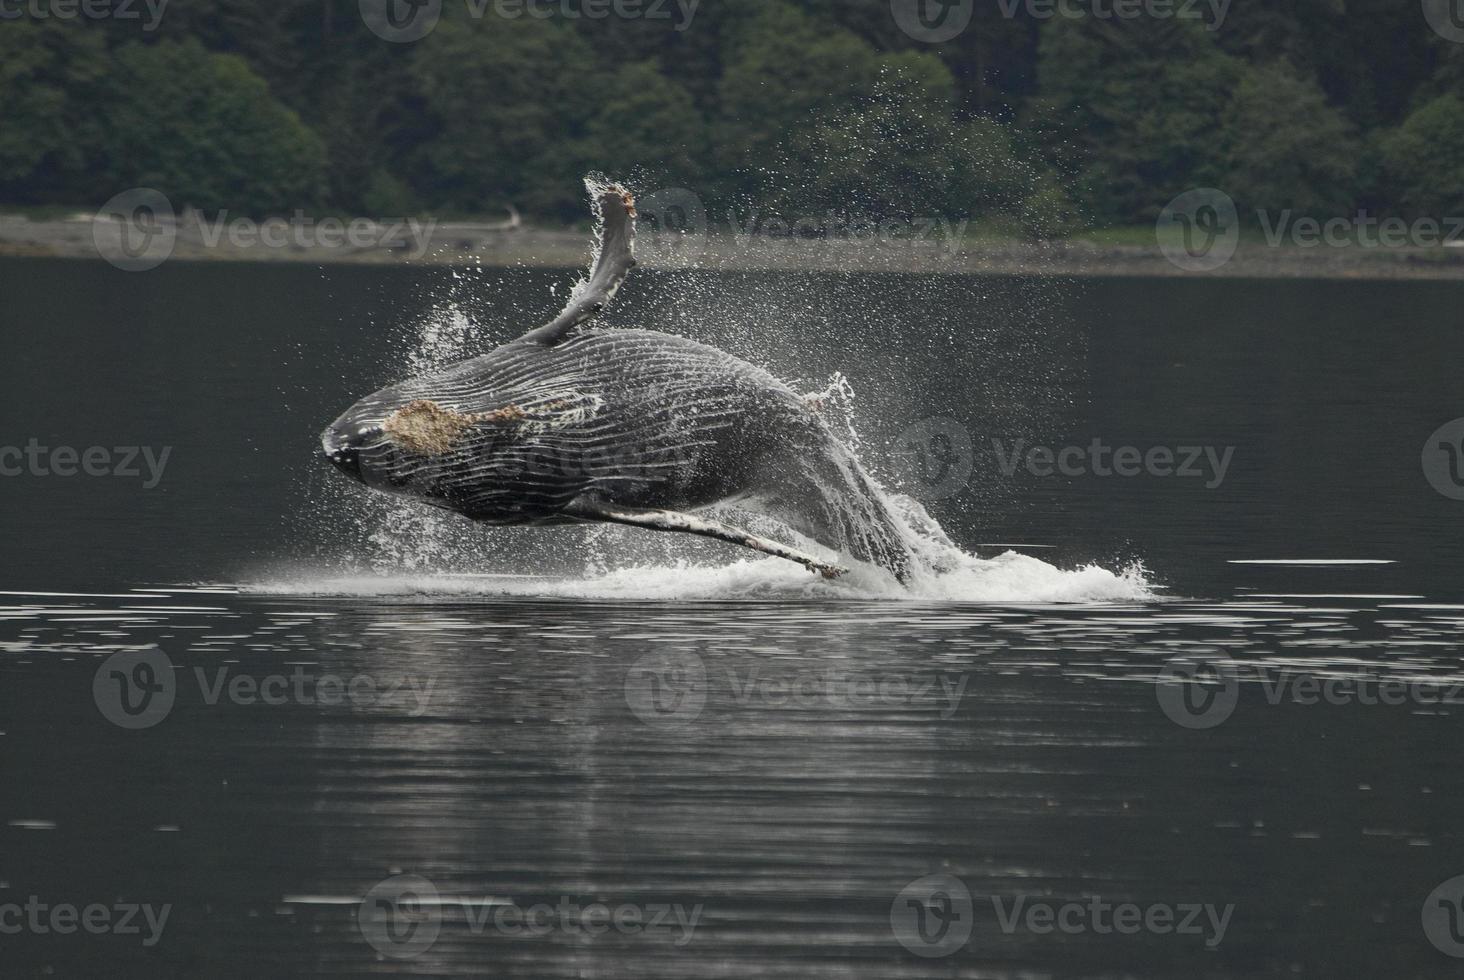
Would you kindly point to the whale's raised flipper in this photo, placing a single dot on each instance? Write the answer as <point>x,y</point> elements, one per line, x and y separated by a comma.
<point>614,258</point>
<point>670,520</point>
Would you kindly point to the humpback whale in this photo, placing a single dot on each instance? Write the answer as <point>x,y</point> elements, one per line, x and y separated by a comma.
<point>575,423</point>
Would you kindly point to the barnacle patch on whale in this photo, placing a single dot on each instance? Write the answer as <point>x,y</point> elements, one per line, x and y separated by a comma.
<point>425,427</point>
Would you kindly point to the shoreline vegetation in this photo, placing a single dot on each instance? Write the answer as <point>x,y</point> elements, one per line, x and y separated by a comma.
<point>422,241</point>
<point>1037,127</point>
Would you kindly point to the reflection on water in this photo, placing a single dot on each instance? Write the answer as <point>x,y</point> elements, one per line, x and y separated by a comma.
<point>774,772</point>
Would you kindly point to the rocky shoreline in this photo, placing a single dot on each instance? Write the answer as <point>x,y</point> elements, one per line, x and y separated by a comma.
<point>422,241</point>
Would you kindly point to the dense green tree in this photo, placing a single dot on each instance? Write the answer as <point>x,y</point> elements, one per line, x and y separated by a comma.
<point>508,100</point>
<point>1423,159</point>
<point>644,121</point>
<point>783,72</point>
<point>769,104</point>
<point>52,82</point>
<point>1285,147</point>
<point>1139,104</point>
<point>1368,56</point>
<point>886,148</point>
<point>205,130</point>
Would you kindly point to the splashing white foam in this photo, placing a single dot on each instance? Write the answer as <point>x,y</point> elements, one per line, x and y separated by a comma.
<point>662,568</point>
<point>1007,578</point>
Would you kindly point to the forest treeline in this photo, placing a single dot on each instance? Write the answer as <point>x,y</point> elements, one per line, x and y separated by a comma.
<point>1043,124</point>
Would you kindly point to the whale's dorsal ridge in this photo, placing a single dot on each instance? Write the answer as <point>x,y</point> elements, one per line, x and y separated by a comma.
<point>614,208</point>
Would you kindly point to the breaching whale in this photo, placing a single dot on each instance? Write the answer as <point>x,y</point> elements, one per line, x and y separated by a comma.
<point>575,423</point>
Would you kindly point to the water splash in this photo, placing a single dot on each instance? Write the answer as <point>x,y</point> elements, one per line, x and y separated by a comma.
<point>414,549</point>
<point>1012,363</point>
<point>405,534</point>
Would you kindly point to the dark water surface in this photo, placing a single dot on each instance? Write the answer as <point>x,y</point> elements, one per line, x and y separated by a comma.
<point>768,770</point>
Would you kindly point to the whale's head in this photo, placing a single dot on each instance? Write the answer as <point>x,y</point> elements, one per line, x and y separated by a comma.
<point>360,446</point>
<point>461,440</point>
<point>401,440</point>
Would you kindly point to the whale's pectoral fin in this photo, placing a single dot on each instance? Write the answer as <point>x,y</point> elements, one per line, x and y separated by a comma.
<point>614,258</point>
<point>670,520</point>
